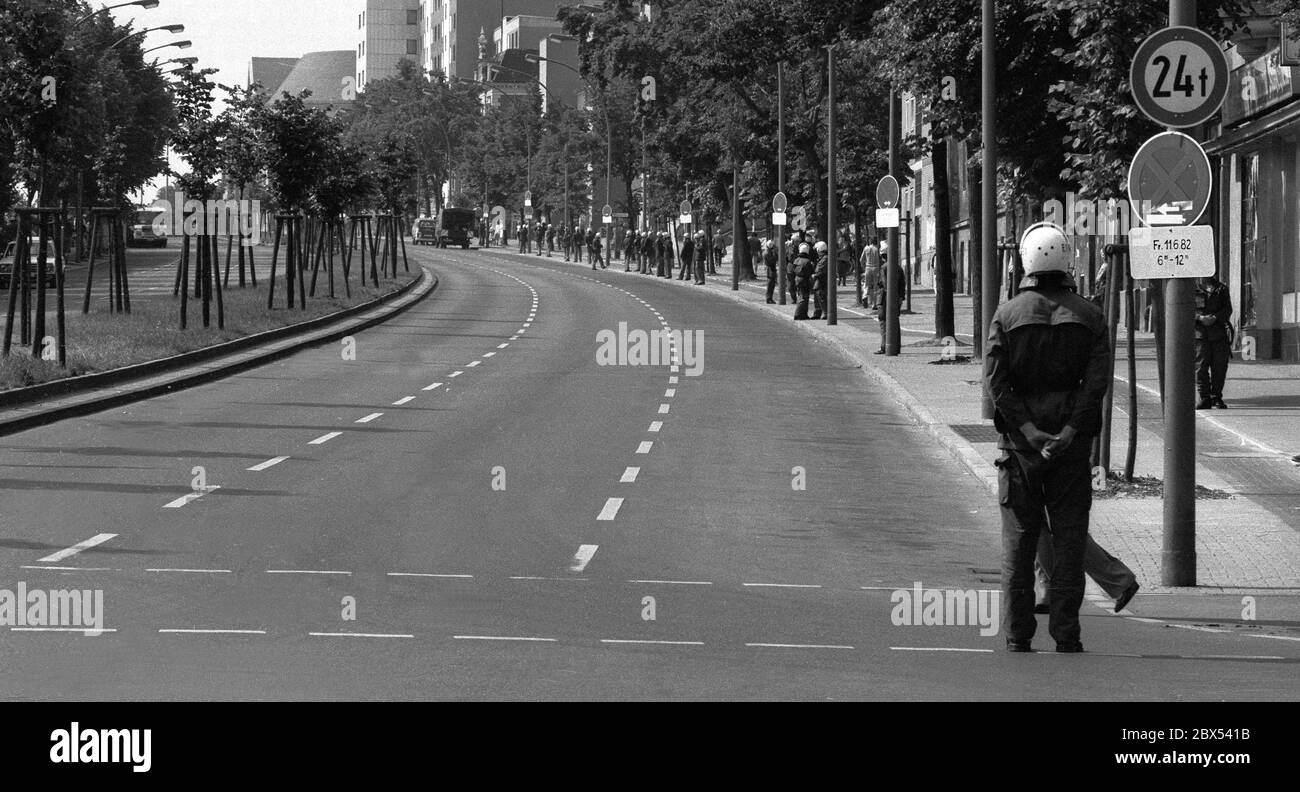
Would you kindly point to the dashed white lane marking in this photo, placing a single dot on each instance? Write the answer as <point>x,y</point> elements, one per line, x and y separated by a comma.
<point>192,571</point>
<point>305,572</point>
<point>651,643</point>
<point>83,630</point>
<point>645,447</point>
<point>782,585</point>
<point>370,417</point>
<point>433,387</point>
<point>610,510</point>
<point>549,579</point>
<point>68,552</point>
<point>429,575</point>
<point>937,649</point>
<point>796,646</point>
<point>325,438</point>
<point>503,346</point>
<point>664,409</point>
<point>268,464</point>
<point>629,475</point>
<point>185,500</point>
<point>359,635</point>
<point>514,338</point>
<point>455,374</point>
<point>674,369</point>
<point>673,380</point>
<point>502,638</point>
<point>672,582</point>
<point>583,557</point>
<point>490,355</point>
<point>69,569</point>
<point>403,401</point>
<point>670,393</point>
<point>475,364</point>
<point>186,631</point>
<point>657,426</point>
<point>1275,637</point>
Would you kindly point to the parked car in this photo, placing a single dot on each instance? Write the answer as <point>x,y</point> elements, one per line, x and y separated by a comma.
<point>7,264</point>
<point>426,231</point>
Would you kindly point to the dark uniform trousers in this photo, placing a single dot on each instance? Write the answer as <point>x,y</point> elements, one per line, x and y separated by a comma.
<point>1037,495</point>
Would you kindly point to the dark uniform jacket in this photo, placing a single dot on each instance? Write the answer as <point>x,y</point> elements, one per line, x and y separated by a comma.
<point>688,250</point>
<point>820,271</point>
<point>802,269</point>
<point>1215,301</point>
<point>1047,361</point>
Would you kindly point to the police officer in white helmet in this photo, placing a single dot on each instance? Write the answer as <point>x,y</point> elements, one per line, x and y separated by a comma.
<point>1046,369</point>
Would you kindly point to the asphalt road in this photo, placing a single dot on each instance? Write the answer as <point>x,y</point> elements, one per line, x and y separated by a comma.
<point>506,516</point>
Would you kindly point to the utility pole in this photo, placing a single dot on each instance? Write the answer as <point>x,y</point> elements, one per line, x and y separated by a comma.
<point>893,343</point>
<point>1178,550</point>
<point>780,171</point>
<point>832,197</point>
<point>735,222</point>
<point>989,200</point>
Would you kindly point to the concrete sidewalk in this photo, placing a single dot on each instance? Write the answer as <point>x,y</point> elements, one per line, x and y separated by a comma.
<point>1248,536</point>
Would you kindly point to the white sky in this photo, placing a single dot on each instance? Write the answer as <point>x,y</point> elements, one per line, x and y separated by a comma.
<point>227,33</point>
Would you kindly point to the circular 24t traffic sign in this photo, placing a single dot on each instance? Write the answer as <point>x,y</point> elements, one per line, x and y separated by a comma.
<point>1179,77</point>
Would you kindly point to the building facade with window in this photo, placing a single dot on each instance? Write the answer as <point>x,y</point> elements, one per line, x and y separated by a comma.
<point>450,29</point>
<point>387,32</point>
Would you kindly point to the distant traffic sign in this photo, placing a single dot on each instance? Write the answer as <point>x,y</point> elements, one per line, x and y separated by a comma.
<point>686,208</point>
<point>607,214</point>
<point>1179,77</point>
<point>780,219</point>
<point>780,203</point>
<point>1175,252</point>
<point>685,219</point>
<point>1169,182</point>
<point>887,193</point>
<point>887,218</point>
<point>528,199</point>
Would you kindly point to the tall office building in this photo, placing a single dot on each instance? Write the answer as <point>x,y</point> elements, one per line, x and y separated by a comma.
<point>450,29</point>
<point>387,32</point>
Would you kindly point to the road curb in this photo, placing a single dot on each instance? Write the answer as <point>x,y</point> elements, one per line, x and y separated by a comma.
<point>312,332</point>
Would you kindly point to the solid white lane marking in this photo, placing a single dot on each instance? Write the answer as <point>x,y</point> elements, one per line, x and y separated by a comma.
<point>428,575</point>
<point>183,631</point>
<point>645,447</point>
<point>796,646</point>
<point>610,511</point>
<point>664,409</point>
<point>670,393</point>
<point>937,649</point>
<point>651,643</point>
<point>503,346</point>
<point>68,552</point>
<point>629,475</point>
<point>1275,637</point>
<point>672,582</point>
<point>782,585</point>
<point>502,638</point>
<point>193,571</point>
<point>656,426</point>
<point>325,438</point>
<point>370,417</point>
<point>434,386</point>
<point>474,364</point>
<point>403,400</point>
<point>185,500</point>
<point>268,464</point>
<point>305,572</point>
<point>359,635</point>
<point>583,557</point>
<point>456,374</point>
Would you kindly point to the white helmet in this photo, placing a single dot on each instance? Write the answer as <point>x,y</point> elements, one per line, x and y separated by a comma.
<point>805,249</point>
<point>1045,248</point>
<point>820,247</point>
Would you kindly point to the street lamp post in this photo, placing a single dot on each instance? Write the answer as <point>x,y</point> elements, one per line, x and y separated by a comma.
<point>93,14</point>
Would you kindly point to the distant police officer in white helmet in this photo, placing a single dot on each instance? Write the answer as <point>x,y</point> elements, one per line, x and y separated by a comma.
<point>1046,368</point>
